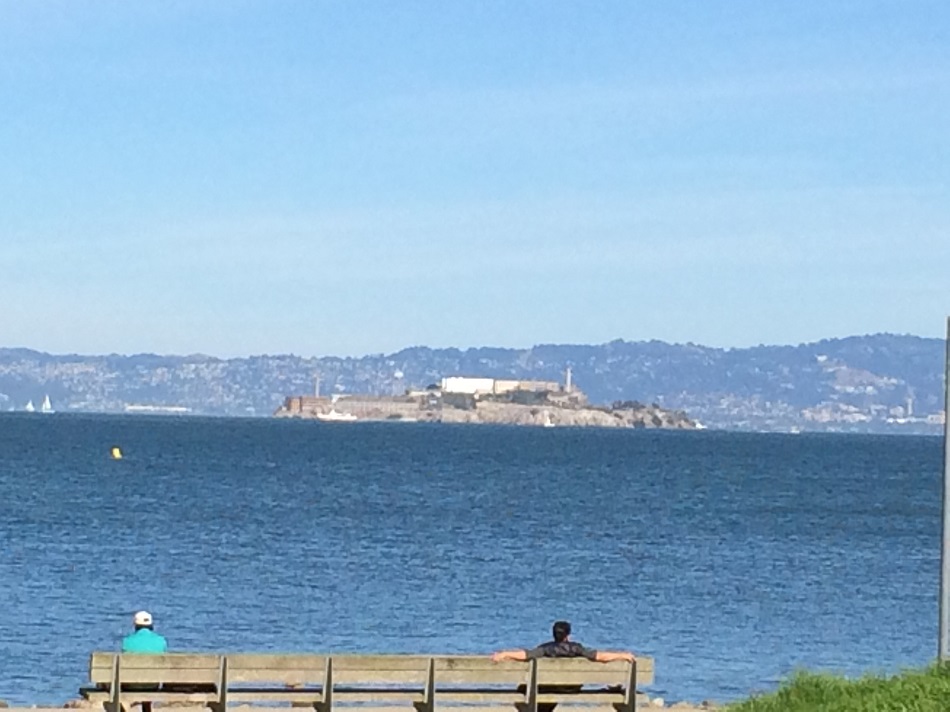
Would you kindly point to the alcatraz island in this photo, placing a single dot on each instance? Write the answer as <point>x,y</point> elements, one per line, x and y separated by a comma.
<point>464,399</point>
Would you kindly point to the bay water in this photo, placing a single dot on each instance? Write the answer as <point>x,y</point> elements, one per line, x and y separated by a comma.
<point>732,558</point>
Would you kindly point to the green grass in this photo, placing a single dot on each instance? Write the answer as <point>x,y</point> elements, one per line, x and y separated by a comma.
<point>913,691</point>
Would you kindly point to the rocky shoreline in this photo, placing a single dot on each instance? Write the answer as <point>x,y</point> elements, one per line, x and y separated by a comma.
<point>644,416</point>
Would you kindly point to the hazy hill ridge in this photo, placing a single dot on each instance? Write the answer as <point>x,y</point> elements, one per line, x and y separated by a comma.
<point>882,382</point>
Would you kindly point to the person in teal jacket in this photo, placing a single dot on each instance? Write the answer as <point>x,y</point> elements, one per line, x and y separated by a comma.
<point>144,639</point>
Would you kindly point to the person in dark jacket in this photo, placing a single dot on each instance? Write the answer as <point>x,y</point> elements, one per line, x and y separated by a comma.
<point>562,647</point>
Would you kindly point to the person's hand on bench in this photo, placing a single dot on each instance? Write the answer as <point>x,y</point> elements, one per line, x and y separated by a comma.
<point>605,657</point>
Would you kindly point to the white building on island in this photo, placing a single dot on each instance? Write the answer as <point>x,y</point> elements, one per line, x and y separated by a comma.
<point>477,386</point>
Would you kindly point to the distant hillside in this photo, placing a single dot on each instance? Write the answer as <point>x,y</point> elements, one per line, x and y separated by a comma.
<point>884,382</point>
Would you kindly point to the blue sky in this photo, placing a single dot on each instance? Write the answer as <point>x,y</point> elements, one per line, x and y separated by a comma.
<point>350,177</point>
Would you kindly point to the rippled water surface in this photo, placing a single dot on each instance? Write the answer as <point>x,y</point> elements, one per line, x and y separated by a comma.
<point>731,558</point>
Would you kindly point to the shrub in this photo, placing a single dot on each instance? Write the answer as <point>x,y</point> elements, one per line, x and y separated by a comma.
<point>913,691</point>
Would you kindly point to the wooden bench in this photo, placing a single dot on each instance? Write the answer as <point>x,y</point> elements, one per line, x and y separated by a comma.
<point>365,683</point>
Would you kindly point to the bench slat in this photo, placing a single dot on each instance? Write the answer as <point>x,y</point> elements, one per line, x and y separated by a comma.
<point>275,677</point>
<point>156,676</point>
<point>174,661</point>
<point>381,662</point>
<point>571,677</point>
<point>158,696</point>
<point>276,662</point>
<point>172,667</point>
<point>271,695</point>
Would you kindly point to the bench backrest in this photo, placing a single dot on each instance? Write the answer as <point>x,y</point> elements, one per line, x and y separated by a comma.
<point>449,671</point>
<point>183,668</point>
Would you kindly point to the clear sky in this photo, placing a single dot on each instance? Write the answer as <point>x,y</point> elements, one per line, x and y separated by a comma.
<point>350,177</point>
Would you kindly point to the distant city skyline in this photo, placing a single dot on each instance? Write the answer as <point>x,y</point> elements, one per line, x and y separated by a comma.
<point>333,178</point>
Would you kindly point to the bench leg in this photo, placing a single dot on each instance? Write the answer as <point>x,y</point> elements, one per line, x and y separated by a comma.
<point>222,704</point>
<point>630,703</point>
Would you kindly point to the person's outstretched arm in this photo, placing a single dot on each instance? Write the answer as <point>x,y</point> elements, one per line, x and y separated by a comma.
<point>509,655</point>
<point>604,656</point>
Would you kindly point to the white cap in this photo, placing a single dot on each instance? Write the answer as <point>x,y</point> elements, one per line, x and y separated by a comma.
<point>143,618</point>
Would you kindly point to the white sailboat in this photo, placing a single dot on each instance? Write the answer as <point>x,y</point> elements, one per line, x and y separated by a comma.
<point>29,406</point>
<point>47,407</point>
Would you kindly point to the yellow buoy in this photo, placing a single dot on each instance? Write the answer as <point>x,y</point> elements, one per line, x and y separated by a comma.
<point>116,453</point>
